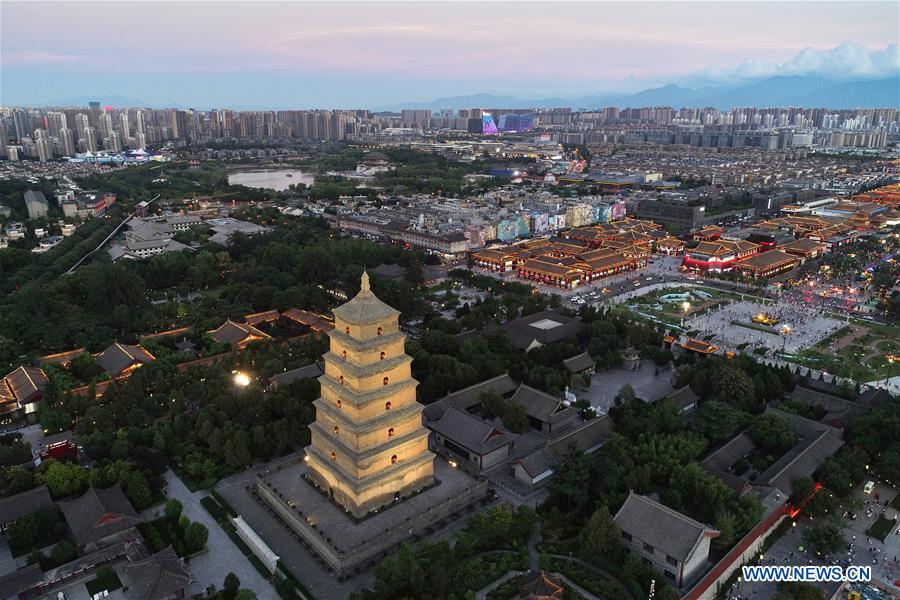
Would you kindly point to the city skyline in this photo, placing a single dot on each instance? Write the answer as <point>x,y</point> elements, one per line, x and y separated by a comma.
<point>380,54</point>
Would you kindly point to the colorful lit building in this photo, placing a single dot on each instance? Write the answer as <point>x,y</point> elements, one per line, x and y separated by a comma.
<point>717,256</point>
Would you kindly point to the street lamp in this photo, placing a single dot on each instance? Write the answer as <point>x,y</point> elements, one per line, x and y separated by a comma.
<point>685,307</point>
<point>785,332</point>
<point>241,379</point>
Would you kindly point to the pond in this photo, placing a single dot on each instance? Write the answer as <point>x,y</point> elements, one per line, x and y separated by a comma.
<point>272,179</point>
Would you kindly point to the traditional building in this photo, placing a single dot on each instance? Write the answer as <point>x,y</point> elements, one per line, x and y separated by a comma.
<point>804,248</point>
<point>717,256</point>
<point>368,445</point>
<point>238,335</point>
<point>20,394</point>
<point>766,264</point>
<point>672,542</point>
<point>120,360</point>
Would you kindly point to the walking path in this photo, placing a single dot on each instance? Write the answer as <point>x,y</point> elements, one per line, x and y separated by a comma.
<point>211,567</point>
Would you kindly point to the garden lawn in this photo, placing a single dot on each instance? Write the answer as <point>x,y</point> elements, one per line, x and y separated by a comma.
<point>880,528</point>
<point>95,587</point>
<point>589,579</point>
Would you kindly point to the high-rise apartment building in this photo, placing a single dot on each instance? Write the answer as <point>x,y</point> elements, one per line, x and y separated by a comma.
<point>66,142</point>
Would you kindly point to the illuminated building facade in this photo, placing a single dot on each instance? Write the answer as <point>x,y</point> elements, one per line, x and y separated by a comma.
<point>368,445</point>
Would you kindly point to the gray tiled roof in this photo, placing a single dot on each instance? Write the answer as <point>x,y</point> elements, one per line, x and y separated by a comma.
<point>538,462</point>
<point>158,576</point>
<point>99,513</point>
<point>309,371</point>
<point>523,332</point>
<point>837,408</point>
<point>663,528</point>
<point>801,461</point>
<point>471,432</point>
<point>587,437</point>
<point>22,580</point>
<point>874,397</point>
<point>542,406</point>
<point>119,357</point>
<point>235,333</point>
<point>25,503</point>
<point>365,307</point>
<point>731,451</point>
<point>470,397</point>
<point>24,384</point>
<point>579,363</point>
<point>683,398</point>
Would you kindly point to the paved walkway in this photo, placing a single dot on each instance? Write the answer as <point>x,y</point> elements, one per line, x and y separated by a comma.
<point>211,567</point>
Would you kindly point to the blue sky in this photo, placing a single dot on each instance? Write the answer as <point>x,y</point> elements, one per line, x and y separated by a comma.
<point>370,54</point>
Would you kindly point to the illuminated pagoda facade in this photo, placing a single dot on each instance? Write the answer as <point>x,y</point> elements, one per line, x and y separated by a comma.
<point>368,446</point>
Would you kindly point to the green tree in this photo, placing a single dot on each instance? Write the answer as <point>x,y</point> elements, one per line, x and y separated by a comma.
<point>231,585</point>
<point>63,552</point>
<point>600,536</point>
<point>626,393</point>
<point>401,575</point>
<point>173,509</point>
<point>106,577</point>
<point>826,538</point>
<point>24,532</point>
<point>571,478</point>
<point>773,432</point>
<point>195,536</point>
<point>64,479</point>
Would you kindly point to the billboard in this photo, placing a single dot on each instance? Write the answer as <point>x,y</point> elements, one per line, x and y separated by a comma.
<point>516,122</point>
<point>487,124</point>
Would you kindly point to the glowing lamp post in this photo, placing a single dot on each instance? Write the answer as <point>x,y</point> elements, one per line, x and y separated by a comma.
<point>685,307</point>
<point>241,379</point>
<point>785,332</point>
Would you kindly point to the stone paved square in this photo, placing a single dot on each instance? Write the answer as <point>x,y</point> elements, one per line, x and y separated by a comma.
<point>807,325</point>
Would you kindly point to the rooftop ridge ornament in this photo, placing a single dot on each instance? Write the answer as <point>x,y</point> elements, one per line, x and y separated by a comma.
<point>364,282</point>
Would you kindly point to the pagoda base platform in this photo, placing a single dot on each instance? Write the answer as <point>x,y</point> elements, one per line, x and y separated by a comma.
<point>346,545</point>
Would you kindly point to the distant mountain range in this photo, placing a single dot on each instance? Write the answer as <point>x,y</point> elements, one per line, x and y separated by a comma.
<point>109,100</point>
<point>807,92</point>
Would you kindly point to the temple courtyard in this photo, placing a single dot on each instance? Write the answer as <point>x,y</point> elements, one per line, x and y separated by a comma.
<point>453,491</point>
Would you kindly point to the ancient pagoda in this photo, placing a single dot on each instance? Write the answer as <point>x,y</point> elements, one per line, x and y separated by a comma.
<point>368,445</point>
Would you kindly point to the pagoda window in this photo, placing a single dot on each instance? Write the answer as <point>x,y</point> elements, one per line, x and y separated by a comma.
<point>347,330</point>
<point>333,456</point>
<point>338,403</point>
<point>341,379</point>
<point>344,354</point>
<point>380,331</point>
<point>384,381</point>
<point>393,459</point>
<point>390,432</point>
<point>382,356</point>
<point>387,406</point>
<point>337,430</point>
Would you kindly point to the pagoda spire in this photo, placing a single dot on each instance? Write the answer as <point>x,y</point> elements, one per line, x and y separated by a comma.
<point>364,282</point>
